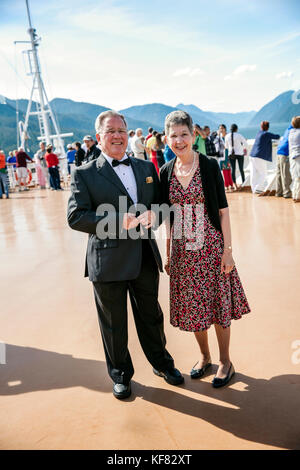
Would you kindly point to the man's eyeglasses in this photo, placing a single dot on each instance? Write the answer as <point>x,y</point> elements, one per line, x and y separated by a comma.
<point>114,131</point>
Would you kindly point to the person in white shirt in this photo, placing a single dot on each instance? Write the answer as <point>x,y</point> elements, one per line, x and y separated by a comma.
<point>294,148</point>
<point>236,144</point>
<point>137,145</point>
<point>129,150</point>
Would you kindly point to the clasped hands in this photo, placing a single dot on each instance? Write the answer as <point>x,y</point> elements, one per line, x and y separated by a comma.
<point>147,220</point>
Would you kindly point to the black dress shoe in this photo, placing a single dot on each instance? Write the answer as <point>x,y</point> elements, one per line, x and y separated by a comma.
<point>121,391</point>
<point>172,376</point>
<point>198,373</point>
<point>217,382</point>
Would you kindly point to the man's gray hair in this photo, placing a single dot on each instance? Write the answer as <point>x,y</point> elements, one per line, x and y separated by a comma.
<point>178,118</point>
<point>107,114</point>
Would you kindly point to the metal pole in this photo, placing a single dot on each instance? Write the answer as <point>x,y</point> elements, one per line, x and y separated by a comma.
<point>22,136</point>
<point>28,13</point>
<point>37,74</point>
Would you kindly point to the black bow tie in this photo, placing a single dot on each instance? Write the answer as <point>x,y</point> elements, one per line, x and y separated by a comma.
<point>119,162</point>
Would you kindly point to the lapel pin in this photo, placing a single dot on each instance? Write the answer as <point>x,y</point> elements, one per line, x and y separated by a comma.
<point>149,179</point>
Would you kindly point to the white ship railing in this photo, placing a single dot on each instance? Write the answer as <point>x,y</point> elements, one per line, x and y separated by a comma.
<point>271,167</point>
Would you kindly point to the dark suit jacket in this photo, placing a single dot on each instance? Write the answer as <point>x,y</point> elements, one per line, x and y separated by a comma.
<point>212,183</point>
<point>112,259</point>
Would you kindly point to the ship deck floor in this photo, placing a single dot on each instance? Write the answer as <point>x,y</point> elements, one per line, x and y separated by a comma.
<point>55,392</point>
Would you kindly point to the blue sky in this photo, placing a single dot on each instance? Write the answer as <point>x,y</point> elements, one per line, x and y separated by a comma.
<point>221,55</point>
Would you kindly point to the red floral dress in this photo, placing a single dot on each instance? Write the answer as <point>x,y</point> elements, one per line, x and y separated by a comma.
<point>199,294</point>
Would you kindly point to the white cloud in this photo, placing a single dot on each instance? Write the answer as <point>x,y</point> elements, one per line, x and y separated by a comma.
<point>190,72</point>
<point>196,71</point>
<point>181,72</point>
<point>240,70</point>
<point>125,22</point>
<point>284,75</point>
<point>244,68</point>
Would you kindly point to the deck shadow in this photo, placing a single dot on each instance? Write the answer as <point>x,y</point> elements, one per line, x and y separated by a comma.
<point>30,369</point>
<point>264,411</point>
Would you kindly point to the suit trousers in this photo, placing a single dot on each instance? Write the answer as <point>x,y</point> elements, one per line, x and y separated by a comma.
<point>111,303</point>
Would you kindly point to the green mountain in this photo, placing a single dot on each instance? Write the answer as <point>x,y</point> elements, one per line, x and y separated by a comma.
<point>279,110</point>
<point>199,117</point>
<point>72,116</point>
<point>8,125</point>
<point>241,119</point>
<point>79,117</point>
<point>76,108</point>
<point>154,114</point>
<point>213,119</point>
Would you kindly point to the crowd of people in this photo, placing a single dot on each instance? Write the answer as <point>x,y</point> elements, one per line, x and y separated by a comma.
<point>228,148</point>
<point>46,163</point>
<point>287,180</point>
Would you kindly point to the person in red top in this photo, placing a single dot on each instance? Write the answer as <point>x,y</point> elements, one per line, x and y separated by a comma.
<point>3,175</point>
<point>150,133</point>
<point>52,164</point>
<point>21,158</point>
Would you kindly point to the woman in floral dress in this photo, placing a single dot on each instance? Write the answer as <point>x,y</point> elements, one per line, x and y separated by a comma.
<point>205,288</point>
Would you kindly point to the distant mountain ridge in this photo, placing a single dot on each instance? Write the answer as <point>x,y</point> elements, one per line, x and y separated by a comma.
<point>79,117</point>
<point>214,119</point>
<point>280,109</point>
<point>154,113</point>
<point>85,114</point>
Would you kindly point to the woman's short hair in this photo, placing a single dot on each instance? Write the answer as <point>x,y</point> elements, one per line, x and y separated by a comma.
<point>264,125</point>
<point>234,128</point>
<point>77,144</point>
<point>107,114</point>
<point>178,118</point>
<point>296,122</point>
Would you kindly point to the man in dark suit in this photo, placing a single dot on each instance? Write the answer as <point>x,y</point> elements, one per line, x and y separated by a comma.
<point>120,258</point>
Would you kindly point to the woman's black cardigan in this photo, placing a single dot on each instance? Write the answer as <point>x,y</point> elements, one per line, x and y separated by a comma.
<point>212,183</point>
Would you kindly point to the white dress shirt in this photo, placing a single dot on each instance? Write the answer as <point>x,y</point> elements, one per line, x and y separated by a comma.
<point>126,175</point>
<point>239,143</point>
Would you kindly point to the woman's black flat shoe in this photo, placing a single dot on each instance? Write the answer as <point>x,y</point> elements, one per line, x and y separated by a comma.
<point>198,373</point>
<point>217,382</point>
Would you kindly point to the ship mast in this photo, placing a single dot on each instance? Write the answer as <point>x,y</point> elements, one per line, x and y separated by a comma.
<point>38,95</point>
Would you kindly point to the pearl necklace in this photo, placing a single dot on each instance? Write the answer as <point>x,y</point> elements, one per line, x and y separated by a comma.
<point>180,174</point>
